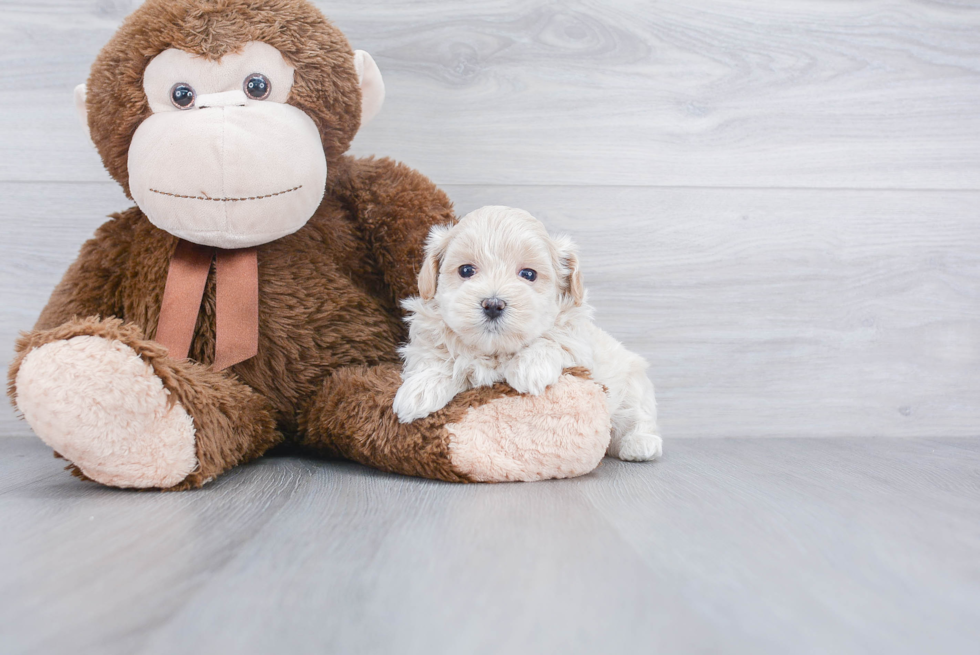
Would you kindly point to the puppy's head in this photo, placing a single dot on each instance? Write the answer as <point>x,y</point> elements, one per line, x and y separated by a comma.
<point>499,279</point>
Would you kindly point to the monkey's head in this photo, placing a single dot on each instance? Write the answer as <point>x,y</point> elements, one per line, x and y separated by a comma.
<point>220,118</point>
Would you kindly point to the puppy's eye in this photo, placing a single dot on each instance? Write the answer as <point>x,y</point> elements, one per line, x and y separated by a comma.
<point>257,86</point>
<point>529,274</point>
<point>182,95</point>
<point>467,270</point>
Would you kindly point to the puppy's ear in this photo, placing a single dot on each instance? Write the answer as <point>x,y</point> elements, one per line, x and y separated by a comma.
<point>435,249</point>
<point>565,255</point>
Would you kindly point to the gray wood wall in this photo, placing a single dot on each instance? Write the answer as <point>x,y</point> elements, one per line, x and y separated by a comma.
<point>778,203</point>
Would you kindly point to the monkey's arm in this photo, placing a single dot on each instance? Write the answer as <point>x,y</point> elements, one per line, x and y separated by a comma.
<point>395,206</point>
<point>486,434</point>
<point>92,285</point>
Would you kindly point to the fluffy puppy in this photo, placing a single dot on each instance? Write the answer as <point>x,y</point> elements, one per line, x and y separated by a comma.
<point>500,299</point>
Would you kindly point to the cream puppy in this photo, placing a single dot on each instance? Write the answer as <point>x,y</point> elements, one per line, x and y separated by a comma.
<point>500,299</point>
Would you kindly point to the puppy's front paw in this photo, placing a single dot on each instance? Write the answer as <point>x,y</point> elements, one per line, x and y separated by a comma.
<point>533,380</point>
<point>421,395</point>
<point>640,447</point>
<point>534,370</point>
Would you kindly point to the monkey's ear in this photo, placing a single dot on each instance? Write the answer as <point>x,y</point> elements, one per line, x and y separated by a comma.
<point>81,93</point>
<point>435,249</point>
<point>566,263</point>
<point>372,86</point>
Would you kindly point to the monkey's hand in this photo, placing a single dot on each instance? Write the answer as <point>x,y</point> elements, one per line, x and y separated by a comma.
<point>535,368</point>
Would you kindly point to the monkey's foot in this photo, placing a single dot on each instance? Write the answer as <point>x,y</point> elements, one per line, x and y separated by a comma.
<point>562,433</point>
<point>99,405</point>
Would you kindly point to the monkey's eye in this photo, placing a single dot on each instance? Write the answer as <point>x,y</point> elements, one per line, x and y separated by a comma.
<point>182,95</point>
<point>467,270</point>
<point>257,86</point>
<point>528,274</point>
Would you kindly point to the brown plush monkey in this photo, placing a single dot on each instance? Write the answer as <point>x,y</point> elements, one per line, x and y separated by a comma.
<point>251,296</point>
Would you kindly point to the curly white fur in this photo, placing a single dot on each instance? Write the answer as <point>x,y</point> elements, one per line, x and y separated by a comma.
<point>545,326</point>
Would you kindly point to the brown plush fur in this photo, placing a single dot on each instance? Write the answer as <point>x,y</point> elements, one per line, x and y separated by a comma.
<point>324,299</point>
<point>358,425</point>
<point>324,304</point>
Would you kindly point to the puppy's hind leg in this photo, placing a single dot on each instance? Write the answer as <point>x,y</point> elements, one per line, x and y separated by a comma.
<point>635,435</point>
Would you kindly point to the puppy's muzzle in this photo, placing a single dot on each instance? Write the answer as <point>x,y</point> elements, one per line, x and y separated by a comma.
<point>493,308</point>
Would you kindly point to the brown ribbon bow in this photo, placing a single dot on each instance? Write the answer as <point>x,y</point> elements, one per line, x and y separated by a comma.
<point>236,302</point>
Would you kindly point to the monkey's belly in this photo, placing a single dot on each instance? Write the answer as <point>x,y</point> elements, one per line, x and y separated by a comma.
<point>307,332</point>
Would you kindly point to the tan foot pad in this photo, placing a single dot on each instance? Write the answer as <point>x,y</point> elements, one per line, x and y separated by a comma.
<point>562,433</point>
<point>98,404</point>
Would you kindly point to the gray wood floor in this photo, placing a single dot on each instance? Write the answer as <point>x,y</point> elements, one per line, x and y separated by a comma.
<point>726,546</point>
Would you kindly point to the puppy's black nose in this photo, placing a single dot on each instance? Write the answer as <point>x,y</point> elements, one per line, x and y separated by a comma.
<point>493,307</point>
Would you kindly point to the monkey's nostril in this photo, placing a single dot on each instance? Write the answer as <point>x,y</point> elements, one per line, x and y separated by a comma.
<point>493,307</point>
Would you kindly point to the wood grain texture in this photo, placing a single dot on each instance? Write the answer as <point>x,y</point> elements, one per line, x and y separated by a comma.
<point>735,546</point>
<point>43,228</point>
<point>769,312</point>
<point>762,312</point>
<point>871,94</point>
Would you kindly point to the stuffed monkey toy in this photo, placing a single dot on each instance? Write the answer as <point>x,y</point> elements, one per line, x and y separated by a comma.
<point>250,298</point>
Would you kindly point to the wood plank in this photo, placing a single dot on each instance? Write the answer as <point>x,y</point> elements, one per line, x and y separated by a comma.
<point>762,312</point>
<point>43,227</point>
<point>25,461</point>
<point>784,312</point>
<point>741,546</point>
<point>813,546</point>
<point>873,94</point>
<point>110,565</point>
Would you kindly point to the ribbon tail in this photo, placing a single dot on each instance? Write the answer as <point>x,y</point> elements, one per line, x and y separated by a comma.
<point>236,307</point>
<point>186,278</point>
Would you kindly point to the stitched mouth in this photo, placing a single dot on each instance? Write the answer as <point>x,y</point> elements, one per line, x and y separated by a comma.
<point>269,195</point>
